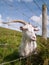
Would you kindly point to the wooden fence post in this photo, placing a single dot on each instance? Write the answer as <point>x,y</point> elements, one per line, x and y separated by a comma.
<point>44,28</point>
<point>44,21</point>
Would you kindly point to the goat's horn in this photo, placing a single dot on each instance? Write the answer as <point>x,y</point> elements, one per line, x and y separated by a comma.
<point>20,21</point>
<point>6,22</point>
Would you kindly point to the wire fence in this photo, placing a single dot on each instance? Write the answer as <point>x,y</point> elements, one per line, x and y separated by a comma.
<point>19,60</point>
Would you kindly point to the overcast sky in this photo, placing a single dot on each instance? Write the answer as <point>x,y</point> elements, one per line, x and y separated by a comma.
<point>28,10</point>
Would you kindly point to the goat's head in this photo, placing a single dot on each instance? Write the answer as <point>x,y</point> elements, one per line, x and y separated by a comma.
<point>27,28</point>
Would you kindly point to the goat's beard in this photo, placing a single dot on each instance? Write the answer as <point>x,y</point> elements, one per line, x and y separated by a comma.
<point>27,46</point>
<point>28,49</point>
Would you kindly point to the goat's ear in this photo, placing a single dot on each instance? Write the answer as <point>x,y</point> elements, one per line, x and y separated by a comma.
<point>36,29</point>
<point>34,26</point>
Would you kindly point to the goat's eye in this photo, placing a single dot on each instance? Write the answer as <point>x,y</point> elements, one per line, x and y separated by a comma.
<point>26,29</point>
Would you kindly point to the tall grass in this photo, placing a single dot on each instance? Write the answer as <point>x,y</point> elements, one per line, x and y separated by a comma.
<point>9,45</point>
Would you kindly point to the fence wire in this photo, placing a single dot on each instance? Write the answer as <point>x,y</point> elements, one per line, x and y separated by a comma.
<point>19,59</point>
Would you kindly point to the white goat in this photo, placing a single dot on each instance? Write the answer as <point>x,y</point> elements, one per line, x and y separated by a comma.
<point>28,43</point>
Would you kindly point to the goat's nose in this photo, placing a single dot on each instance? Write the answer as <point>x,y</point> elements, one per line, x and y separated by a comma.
<point>33,38</point>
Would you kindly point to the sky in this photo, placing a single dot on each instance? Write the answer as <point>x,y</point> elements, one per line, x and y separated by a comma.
<point>27,10</point>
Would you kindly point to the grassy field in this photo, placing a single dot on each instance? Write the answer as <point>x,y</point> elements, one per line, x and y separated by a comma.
<point>9,44</point>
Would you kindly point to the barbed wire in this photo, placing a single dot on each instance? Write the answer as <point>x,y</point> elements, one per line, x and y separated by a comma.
<point>21,12</point>
<point>25,5</point>
<point>30,8</point>
<point>37,5</point>
<point>19,59</point>
<point>28,18</point>
<point>16,9</point>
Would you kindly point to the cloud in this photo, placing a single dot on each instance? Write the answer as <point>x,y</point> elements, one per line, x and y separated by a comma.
<point>1,20</point>
<point>14,26</point>
<point>8,19</point>
<point>38,19</point>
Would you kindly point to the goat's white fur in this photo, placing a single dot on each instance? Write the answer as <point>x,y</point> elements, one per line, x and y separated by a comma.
<point>27,45</point>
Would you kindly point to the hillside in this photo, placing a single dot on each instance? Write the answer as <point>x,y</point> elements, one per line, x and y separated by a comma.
<point>9,36</point>
<point>9,44</point>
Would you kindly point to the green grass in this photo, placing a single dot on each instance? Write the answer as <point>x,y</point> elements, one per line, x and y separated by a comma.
<point>12,39</point>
